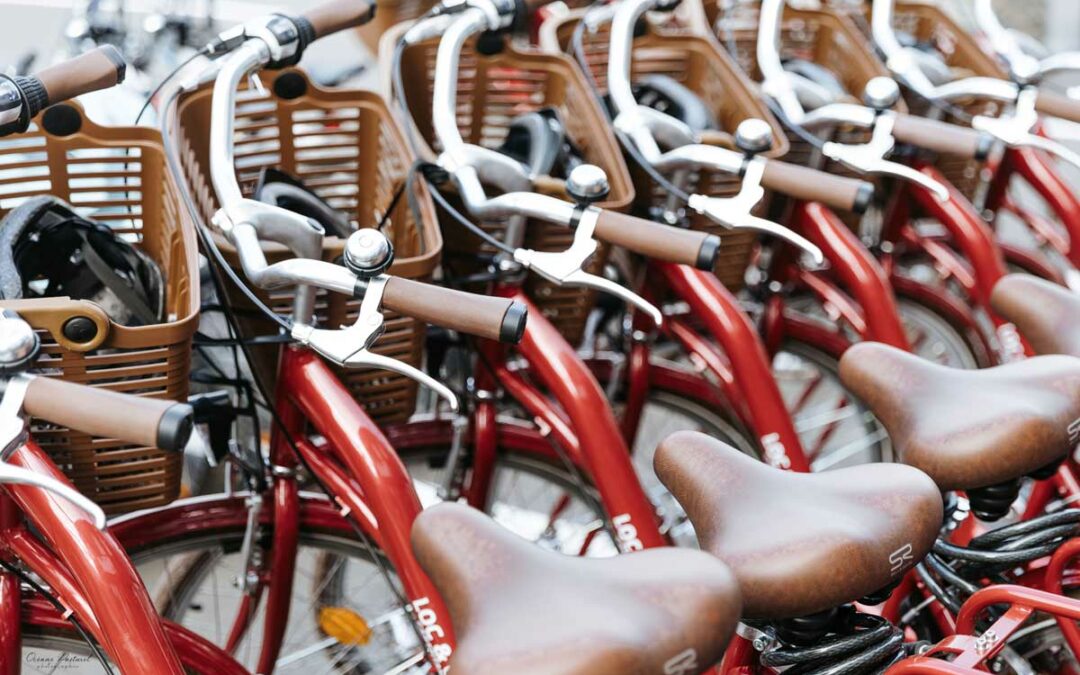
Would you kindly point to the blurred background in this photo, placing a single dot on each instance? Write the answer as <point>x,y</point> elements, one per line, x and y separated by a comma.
<point>158,35</point>
<point>39,25</point>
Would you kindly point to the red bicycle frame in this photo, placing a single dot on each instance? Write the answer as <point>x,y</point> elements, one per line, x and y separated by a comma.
<point>92,577</point>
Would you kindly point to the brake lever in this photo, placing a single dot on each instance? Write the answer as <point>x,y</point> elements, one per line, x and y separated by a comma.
<point>564,268</point>
<point>13,434</point>
<point>1015,129</point>
<point>869,158</point>
<point>734,213</point>
<point>350,347</point>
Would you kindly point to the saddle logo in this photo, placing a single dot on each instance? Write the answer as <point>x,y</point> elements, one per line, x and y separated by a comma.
<point>901,558</point>
<point>682,664</point>
<point>775,452</point>
<point>1074,432</point>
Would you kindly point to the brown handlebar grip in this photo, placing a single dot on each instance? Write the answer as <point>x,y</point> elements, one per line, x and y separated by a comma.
<point>1058,105</point>
<point>662,242</point>
<point>800,182</point>
<point>942,137</point>
<point>101,68</point>
<point>480,315</point>
<point>99,412</point>
<point>339,15</point>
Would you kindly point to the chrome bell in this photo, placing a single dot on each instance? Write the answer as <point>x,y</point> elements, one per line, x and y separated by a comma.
<point>754,136</point>
<point>19,344</point>
<point>368,253</point>
<point>587,183</point>
<point>881,93</point>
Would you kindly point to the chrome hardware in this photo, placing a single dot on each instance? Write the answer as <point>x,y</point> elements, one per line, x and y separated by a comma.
<point>869,158</point>
<point>587,184</point>
<point>565,267</point>
<point>350,347</point>
<point>1014,130</point>
<point>754,136</point>
<point>368,253</point>
<point>13,429</point>
<point>881,93</point>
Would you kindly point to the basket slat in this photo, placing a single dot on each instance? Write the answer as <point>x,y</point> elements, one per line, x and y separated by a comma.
<point>106,174</point>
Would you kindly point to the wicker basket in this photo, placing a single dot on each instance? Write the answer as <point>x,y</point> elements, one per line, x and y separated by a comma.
<point>118,176</point>
<point>346,147</point>
<point>697,63</point>
<point>492,90</point>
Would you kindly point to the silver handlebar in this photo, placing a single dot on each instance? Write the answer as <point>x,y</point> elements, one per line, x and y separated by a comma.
<point>867,158</point>
<point>1022,65</point>
<point>649,129</point>
<point>14,432</point>
<point>1013,129</point>
<point>471,166</point>
<point>246,223</point>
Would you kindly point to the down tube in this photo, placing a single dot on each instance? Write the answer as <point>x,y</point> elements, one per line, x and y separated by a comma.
<point>570,381</point>
<point>714,306</point>
<point>371,460</point>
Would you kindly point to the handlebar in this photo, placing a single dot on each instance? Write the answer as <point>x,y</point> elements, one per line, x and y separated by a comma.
<point>101,68</point>
<point>23,97</point>
<point>100,412</point>
<point>942,137</point>
<point>804,183</point>
<point>336,16</point>
<point>1058,105</point>
<point>662,242</point>
<point>480,315</point>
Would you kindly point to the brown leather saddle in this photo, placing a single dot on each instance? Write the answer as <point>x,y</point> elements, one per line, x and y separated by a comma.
<point>1047,315</point>
<point>517,608</point>
<point>801,543</point>
<point>969,428</point>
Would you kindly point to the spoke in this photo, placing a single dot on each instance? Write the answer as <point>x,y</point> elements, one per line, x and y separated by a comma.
<point>849,450</point>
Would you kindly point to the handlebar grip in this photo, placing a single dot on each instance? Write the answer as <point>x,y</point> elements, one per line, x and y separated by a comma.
<point>1058,105</point>
<point>480,315</point>
<point>338,15</point>
<point>800,182</point>
<point>942,137</point>
<point>99,412</point>
<point>663,242</point>
<point>101,68</point>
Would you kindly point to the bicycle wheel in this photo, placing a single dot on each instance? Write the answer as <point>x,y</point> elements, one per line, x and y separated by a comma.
<point>345,617</point>
<point>531,496</point>
<point>836,430</point>
<point>933,338</point>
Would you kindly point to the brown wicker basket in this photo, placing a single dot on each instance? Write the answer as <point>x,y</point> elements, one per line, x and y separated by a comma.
<point>698,64</point>
<point>345,146</point>
<point>492,90</point>
<point>118,176</point>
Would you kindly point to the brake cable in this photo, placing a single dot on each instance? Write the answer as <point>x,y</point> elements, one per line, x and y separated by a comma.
<point>578,43</point>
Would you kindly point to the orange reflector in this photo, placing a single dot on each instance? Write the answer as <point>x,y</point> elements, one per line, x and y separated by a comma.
<point>344,625</point>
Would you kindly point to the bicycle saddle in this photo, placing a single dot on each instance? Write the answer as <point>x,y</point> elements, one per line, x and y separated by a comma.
<point>969,428</point>
<point>518,608</point>
<point>1047,315</point>
<point>800,543</point>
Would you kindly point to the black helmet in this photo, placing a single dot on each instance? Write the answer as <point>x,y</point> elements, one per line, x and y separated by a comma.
<point>48,250</point>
